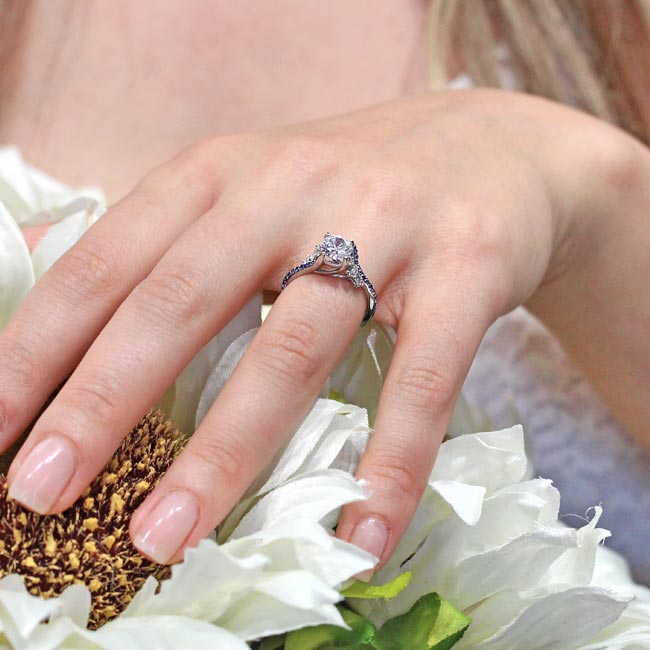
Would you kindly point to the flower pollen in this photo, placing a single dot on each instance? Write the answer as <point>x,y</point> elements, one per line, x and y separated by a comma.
<point>89,543</point>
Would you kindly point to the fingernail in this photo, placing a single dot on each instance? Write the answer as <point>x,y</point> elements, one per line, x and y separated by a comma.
<point>371,535</point>
<point>44,474</point>
<point>167,526</point>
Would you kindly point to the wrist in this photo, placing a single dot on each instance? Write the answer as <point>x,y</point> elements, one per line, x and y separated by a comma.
<point>598,304</point>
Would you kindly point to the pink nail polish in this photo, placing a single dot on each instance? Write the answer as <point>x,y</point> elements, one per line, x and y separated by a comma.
<point>44,474</point>
<point>371,535</point>
<point>167,526</point>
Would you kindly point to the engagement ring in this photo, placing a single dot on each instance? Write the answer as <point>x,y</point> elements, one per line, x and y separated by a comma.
<point>338,257</point>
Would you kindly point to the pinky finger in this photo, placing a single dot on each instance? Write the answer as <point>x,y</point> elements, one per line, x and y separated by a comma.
<point>436,343</point>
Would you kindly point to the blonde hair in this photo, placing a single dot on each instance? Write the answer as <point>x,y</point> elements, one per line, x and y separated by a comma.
<point>593,54</point>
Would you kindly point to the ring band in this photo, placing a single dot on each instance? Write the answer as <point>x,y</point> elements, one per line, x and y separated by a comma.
<point>338,257</point>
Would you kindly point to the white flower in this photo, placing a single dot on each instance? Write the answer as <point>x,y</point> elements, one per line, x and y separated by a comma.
<point>492,544</point>
<point>278,569</point>
<point>31,623</point>
<point>29,197</point>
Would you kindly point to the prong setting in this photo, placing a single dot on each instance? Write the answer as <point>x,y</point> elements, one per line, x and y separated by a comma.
<point>338,257</point>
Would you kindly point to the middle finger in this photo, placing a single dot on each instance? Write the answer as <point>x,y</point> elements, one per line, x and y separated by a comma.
<point>195,290</point>
<point>272,388</point>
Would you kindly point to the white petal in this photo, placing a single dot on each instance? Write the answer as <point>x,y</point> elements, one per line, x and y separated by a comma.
<point>16,274</point>
<point>491,615</point>
<point>630,632</point>
<point>15,185</point>
<point>360,375</point>
<point>232,345</point>
<point>165,633</point>
<point>203,586</point>
<point>564,620</point>
<point>305,545</point>
<point>308,497</point>
<point>198,385</point>
<point>332,434</point>
<point>466,500</point>
<point>61,236</point>
<point>75,604</point>
<point>466,419</point>
<point>34,197</point>
<point>259,615</point>
<point>576,566</point>
<point>507,515</point>
<point>298,588</point>
<point>519,565</point>
<point>20,612</point>
<point>318,441</point>
<point>493,459</point>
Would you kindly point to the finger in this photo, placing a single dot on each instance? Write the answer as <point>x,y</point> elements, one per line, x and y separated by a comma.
<point>195,290</point>
<point>67,309</point>
<point>436,342</point>
<point>264,401</point>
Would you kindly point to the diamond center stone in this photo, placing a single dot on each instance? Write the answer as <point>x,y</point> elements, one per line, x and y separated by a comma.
<point>337,248</point>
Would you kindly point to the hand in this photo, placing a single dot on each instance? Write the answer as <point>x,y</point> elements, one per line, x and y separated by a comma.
<point>461,204</point>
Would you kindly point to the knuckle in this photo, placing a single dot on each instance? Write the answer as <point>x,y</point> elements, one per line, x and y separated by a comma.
<point>96,399</point>
<point>291,348</point>
<point>387,190</point>
<point>391,470</point>
<point>195,166</point>
<point>173,295</point>
<point>90,270</point>
<point>199,157</point>
<point>223,456</point>
<point>423,387</point>
<point>619,161</point>
<point>476,249</point>
<point>24,359</point>
<point>478,236</point>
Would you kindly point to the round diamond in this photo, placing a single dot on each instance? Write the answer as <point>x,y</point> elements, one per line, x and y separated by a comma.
<point>337,248</point>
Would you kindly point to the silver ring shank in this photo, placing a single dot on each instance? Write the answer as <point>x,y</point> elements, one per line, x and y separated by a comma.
<point>318,263</point>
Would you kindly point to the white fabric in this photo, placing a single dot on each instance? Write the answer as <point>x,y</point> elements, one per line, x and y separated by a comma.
<point>522,375</point>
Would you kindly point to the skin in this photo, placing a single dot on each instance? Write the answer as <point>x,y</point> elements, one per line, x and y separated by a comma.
<point>463,205</point>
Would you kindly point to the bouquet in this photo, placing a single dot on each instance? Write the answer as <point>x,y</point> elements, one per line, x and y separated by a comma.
<point>486,563</point>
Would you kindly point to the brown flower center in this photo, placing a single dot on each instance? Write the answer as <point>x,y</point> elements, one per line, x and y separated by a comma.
<point>89,543</point>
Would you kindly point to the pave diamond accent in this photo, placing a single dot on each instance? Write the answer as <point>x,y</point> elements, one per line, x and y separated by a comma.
<point>356,275</point>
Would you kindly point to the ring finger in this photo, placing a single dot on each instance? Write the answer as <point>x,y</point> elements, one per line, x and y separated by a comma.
<point>272,388</point>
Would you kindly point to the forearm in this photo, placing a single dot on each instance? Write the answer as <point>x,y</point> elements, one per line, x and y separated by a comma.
<point>599,306</point>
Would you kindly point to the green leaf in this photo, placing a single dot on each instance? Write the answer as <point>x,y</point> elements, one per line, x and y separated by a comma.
<point>431,624</point>
<point>270,643</point>
<point>449,628</point>
<point>391,589</point>
<point>330,637</point>
<point>336,396</point>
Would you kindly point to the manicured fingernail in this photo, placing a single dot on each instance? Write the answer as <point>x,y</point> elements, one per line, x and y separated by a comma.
<point>44,474</point>
<point>167,526</point>
<point>371,535</point>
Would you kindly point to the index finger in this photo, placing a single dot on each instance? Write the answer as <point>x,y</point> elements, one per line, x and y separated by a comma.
<point>68,307</point>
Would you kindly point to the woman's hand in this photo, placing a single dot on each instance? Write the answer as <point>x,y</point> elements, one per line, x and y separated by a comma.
<point>461,205</point>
